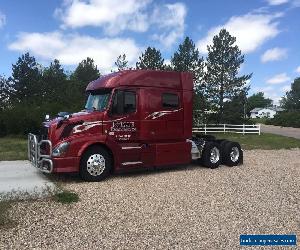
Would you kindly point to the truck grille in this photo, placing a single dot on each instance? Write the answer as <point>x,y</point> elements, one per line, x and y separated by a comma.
<point>43,133</point>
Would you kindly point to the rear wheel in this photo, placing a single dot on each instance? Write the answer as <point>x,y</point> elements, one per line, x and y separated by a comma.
<point>232,154</point>
<point>95,164</point>
<point>206,137</point>
<point>211,156</point>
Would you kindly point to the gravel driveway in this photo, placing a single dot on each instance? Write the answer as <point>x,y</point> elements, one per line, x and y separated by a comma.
<point>187,208</point>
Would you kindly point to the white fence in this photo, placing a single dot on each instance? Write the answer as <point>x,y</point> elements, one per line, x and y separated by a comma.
<point>227,128</point>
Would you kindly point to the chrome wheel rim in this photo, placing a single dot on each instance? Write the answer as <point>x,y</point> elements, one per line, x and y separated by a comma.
<point>96,164</point>
<point>214,155</point>
<point>234,154</point>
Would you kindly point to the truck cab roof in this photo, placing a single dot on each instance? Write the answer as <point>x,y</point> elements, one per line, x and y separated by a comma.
<point>144,78</point>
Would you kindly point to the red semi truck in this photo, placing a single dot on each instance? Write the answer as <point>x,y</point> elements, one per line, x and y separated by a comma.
<point>132,119</point>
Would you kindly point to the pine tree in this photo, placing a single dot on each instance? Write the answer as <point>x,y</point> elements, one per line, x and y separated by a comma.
<point>150,59</point>
<point>121,62</point>
<point>291,101</point>
<point>86,71</point>
<point>54,82</point>
<point>187,58</point>
<point>25,79</point>
<point>223,62</point>
<point>4,93</point>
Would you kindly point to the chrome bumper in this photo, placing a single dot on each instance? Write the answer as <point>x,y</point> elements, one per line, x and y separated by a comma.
<point>37,159</point>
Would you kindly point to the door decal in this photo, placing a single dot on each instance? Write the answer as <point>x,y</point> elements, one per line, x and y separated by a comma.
<point>123,126</point>
<point>158,114</point>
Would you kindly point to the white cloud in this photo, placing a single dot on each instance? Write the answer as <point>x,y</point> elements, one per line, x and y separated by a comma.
<point>280,78</point>
<point>169,18</point>
<point>277,2</point>
<point>71,49</point>
<point>293,3</point>
<point>274,54</point>
<point>2,19</point>
<point>297,69</point>
<point>116,16</point>
<point>113,15</point>
<point>251,31</point>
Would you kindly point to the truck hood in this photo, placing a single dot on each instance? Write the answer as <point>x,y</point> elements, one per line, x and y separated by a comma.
<point>78,123</point>
<point>84,115</point>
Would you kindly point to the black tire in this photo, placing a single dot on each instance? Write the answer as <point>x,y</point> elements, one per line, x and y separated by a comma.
<point>231,147</point>
<point>93,172</point>
<point>222,144</point>
<point>206,159</point>
<point>206,137</point>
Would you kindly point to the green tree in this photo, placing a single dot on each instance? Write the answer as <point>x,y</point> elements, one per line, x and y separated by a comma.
<point>25,79</point>
<point>54,82</point>
<point>258,100</point>
<point>150,59</point>
<point>187,58</point>
<point>291,100</point>
<point>121,62</point>
<point>86,72</point>
<point>4,93</point>
<point>223,62</point>
<point>168,67</point>
<point>235,109</point>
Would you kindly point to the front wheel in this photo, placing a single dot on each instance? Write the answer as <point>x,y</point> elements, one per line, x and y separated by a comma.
<point>95,164</point>
<point>211,156</point>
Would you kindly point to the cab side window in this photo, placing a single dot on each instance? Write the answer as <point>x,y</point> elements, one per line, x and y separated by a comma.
<point>170,100</point>
<point>124,102</point>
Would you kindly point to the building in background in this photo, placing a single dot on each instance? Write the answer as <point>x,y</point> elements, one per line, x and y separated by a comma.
<point>269,112</point>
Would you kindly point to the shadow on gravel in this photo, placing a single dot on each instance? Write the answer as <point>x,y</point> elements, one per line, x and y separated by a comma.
<point>137,172</point>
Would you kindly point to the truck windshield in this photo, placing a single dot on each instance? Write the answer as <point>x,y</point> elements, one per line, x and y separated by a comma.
<point>97,101</point>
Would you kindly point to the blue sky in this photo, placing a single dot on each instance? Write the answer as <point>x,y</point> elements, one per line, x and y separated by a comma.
<point>267,32</point>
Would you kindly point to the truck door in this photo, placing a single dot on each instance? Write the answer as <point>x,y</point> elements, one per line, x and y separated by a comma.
<point>124,126</point>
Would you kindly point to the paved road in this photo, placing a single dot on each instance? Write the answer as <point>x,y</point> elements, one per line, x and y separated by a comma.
<point>285,131</point>
<point>18,179</point>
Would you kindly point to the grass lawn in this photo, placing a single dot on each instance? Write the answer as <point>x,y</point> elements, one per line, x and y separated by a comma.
<point>13,148</point>
<point>263,141</point>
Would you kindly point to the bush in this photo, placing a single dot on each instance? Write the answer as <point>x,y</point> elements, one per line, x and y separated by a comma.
<point>262,120</point>
<point>27,118</point>
<point>286,119</point>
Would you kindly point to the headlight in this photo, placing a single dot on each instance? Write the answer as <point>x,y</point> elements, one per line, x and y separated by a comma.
<point>61,149</point>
